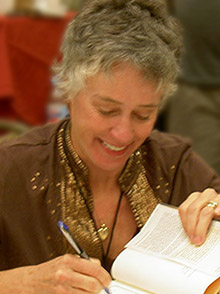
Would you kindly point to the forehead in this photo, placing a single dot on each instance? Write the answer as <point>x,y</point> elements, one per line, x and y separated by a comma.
<point>120,69</point>
<point>123,80</point>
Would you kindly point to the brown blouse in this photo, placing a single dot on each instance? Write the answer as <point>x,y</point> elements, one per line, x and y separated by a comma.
<point>42,181</point>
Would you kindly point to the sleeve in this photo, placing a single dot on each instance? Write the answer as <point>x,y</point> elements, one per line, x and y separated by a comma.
<point>192,174</point>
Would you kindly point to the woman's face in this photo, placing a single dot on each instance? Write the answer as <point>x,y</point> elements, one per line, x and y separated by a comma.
<point>112,116</point>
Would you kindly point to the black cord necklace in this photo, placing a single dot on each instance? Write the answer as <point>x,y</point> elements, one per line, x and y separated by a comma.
<point>105,256</point>
<point>66,145</point>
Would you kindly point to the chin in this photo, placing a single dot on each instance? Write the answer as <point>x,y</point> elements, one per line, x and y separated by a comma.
<point>110,165</point>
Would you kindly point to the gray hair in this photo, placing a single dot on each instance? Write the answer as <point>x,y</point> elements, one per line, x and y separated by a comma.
<point>107,32</point>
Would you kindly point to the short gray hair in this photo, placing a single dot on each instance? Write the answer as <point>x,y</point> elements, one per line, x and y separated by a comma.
<point>107,32</point>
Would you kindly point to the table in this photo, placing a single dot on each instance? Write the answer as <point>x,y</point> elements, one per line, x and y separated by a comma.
<point>28,47</point>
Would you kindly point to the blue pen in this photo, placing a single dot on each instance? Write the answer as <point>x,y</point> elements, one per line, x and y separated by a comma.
<point>65,230</point>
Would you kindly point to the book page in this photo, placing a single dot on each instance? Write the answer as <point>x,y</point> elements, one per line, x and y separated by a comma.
<point>163,236</point>
<point>121,288</point>
<point>156,275</point>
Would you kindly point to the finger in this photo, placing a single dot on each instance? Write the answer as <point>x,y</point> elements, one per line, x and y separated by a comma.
<point>206,215</point>
<point>108,277</point>
<point>93,268</point>
<point>190,212</point>
<point>185,211</point>
<point>70,290</point>
<point>96,260</point>
<point>97,271</point>
<point>203,225</point>
<point>79,282</point>
<point>197,213</point>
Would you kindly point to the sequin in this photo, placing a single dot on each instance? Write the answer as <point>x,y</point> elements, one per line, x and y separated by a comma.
<point>77,200</point>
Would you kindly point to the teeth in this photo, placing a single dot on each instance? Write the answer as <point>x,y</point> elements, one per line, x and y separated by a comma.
<point>114,148</point>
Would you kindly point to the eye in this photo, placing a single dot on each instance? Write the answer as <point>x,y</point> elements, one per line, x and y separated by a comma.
<point>142,117</point>
<point>108,112</point>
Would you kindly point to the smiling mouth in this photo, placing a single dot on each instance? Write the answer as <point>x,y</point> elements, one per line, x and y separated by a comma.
<point>113,148</point>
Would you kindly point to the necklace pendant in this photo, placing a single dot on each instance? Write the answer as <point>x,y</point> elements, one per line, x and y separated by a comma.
<point>103,232</point>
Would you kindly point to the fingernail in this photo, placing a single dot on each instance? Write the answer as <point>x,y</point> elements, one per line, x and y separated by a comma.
<point>197,240</point>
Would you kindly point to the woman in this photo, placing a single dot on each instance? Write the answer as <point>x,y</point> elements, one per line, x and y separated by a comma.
<point>103,171</point>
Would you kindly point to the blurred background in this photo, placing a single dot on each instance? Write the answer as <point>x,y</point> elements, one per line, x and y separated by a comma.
<point>194,109</point>
<point>31,32</point>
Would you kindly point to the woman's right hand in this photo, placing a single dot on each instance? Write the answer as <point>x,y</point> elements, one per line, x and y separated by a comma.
<point>67,274</point>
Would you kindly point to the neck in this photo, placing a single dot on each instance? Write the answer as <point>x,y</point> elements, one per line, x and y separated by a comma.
<point>103,183</point>
<point>101,178</point>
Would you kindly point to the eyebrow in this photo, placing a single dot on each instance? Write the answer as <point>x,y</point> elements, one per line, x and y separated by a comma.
<point>109,99</point>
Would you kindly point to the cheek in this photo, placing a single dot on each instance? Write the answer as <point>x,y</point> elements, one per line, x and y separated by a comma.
<point>87,125</point>
<point>144,131</point>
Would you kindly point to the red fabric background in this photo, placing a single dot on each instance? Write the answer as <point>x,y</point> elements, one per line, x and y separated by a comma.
<point>28,47</point>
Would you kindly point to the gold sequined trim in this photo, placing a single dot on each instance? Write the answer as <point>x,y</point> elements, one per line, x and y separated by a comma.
<point>75,212</point>
<point>76,197</point>
<point>142,199</point>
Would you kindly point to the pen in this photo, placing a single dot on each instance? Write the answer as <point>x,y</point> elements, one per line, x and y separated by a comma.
<point>65,230</point>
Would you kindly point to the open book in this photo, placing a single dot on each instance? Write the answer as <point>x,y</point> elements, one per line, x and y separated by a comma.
<point>161,260</point>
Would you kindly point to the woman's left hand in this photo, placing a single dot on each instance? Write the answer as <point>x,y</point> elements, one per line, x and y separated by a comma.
<point>197,212</point>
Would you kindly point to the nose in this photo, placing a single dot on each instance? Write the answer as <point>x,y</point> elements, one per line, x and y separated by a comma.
<point>123,131</point>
